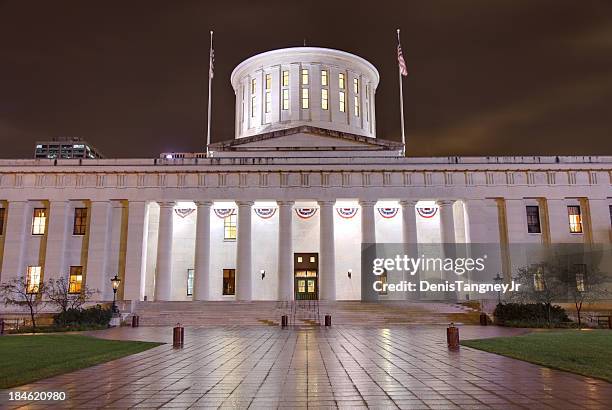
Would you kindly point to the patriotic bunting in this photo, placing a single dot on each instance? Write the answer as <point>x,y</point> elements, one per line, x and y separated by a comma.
<point>388,212</point>
<point>183,212</point>
<point>265,213</point>
<point>224,212</point>
<point>305,213</point>
<point>427,212</point>
<point>346,213</point>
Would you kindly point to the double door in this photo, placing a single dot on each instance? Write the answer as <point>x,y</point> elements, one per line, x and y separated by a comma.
<point>306,267</point>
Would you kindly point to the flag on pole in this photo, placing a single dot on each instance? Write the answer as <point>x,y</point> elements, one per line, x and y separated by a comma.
<point>211,63</point>
<point>400,61</point>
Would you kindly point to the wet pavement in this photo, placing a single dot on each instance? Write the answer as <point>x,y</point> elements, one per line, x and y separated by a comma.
<point>338,367</point>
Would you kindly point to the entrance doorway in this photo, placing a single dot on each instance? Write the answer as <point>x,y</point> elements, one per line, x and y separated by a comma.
<point>306,267</point>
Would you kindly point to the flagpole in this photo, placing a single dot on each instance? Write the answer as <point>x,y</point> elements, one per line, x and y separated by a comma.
<point>209,93</point>
<point>401,97</point>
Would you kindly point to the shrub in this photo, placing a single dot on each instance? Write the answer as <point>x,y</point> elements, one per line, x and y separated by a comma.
<point>529,315</point>
<point>76,317</point>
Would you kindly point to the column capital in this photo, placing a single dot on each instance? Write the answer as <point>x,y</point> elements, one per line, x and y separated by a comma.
<point>285,203</point>
<point>408,202</point>
<point>327,203</point>
<point>445,202</point>
<point>166,204</point>
<point>204,203</point>
<point>364,203</point>
<point>245,203</point>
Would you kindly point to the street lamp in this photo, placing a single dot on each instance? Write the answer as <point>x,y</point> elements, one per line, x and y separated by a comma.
<point>115,281</point>
<point>498,279</point>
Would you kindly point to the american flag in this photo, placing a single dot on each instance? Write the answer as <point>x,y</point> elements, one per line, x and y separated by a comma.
<point>400,61</point>
<point>211,64</point>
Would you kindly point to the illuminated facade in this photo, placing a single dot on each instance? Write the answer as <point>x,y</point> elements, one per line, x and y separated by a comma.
<point>280,211</point>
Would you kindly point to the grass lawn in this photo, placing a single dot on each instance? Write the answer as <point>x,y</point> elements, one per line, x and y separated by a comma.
<point>586,352</point>
<point>24,359</point>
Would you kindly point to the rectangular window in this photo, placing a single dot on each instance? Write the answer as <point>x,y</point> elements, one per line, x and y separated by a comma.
<point>80,221</point>
<point>533,219</point>
<point>75,283</point>
<point>324,78</point>
<point>253,85</point>
<point>575,219</point>
<point>356,85</point>
<point>324,99</point>
<point>580,270</point>
<point>286,78</point>
<point>253,106</point>
<point>39,221</point>
<point>383,280</point>
<point>33,279</point>
<point>268,81</point>
<point>190,282</point>
<point>341,84</point>
<point>229,281</point>
<point>356,106</point>
<point>304,98</point>
<point>268,101</point>
<point>229,227</point>
<point>285,99</point>
<point>304,76</point>
<point>2,216</point>
<point>538,279</point>
<point>342,102</point>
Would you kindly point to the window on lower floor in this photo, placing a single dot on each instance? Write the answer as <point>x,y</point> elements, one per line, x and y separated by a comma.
<point>190,273</point>
<point>533,219</point>
<point>229,227</point>
<point>80,221</point>
<point>575,218</point>
<point>285,98</point>
<point>229,281</point>
<point>39,221</point>
<point>76,279</point>
<point>383,283</point>
<point>580,270</point>
<point>2,217</point>
<point>33,279</point>
<point>305,98</point>
<point>538,279</point>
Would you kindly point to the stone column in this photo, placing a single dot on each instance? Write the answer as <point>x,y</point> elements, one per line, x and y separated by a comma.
<point>327,256</point>
<point>447,221</point>
<point>285,250</point>
<point>244,265</point>
<point>201,278</point>
<point>409,227</point>
<point>163,268</point>
<point>368,224</point>
<point>57,232</point>
<point>135,252</point>
<point>96,271</point>
<point>18,223</point>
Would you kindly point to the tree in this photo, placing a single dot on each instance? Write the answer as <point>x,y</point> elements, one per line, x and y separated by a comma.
<point>20,292</point>
<point>584,283</point>
<point>59,293</point>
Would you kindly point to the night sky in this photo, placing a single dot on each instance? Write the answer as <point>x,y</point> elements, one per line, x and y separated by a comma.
<point>486,77</point>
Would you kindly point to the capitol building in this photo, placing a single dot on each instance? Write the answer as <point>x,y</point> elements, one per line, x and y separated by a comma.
<point>280,211</point>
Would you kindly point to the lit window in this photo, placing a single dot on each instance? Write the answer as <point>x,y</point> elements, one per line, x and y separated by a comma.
<point>229,226</point>
<point>33,279</point>
<point>313,259</point>
<point>300,259</point>
<point>268,81</point>
<point>533,219</point>
<point>286,78</point>
<point>580,275</point>
<point>80,221</point>
<point>383,281</point>
<point>324,99</point>
<point>575,219</point>
<point>538,279</point>
<point>324,77</point>
<point>304,76</point>
<point>76,279</point>
<point>285,99</point>
<point>268,101</point>
<point>342,102</point>
<point>39,222</point>
<point>356,106</point>
<point>341,84</point>
<point>2,216</point>
<point>253,85</point>
<point>229,281</point>
<point>304,98</point>
<point>356,85</point>
<point>189,282</point>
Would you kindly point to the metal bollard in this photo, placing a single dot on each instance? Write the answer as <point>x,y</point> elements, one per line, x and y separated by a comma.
<point>178,335</point>
<point>284,320</point>
<point>452,336</point>
<point>484,320</point>
<point>135,321</point>
<point>327,320</point>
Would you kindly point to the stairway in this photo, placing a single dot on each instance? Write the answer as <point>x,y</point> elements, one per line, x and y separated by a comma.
<point>202,313</point>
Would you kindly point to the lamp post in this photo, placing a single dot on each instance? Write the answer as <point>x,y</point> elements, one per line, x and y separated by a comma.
<point>115,281</point>
<point>498,279</point>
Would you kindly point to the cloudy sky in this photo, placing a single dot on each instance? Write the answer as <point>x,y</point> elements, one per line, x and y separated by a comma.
<point>486,77</point>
